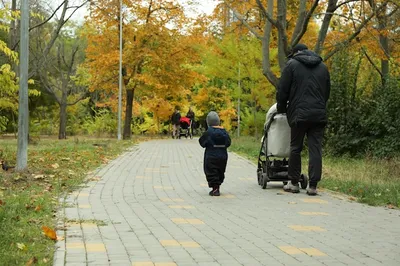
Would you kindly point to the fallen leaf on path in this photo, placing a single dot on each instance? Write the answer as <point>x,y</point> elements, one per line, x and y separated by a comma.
<point>32,261</point>
<point>60,238</point>
<point>38,208</point>
<point>50,233</point>
<point>352,198</point>
<point>279,193</point>
<point>21,246</point>
<point>390,206</point>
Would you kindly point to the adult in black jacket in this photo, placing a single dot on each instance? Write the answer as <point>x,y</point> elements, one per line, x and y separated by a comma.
<point>303,92</point>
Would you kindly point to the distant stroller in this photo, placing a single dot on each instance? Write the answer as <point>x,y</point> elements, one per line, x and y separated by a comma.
<point>275,144</point>
<point>185,128</point>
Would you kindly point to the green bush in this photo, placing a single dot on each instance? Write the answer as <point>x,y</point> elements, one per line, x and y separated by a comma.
<point>364,117</point>
<point>104,123</point>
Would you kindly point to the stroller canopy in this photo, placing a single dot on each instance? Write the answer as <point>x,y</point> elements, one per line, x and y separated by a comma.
<point>185,120</point>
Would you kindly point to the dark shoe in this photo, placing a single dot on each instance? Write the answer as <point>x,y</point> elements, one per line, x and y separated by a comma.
<point>216,192</point>
<point>211,193</point>
<point>311,191</point>
<point>289,187</point>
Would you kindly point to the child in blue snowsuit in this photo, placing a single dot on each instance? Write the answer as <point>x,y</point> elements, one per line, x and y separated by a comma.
<point>216,141</point>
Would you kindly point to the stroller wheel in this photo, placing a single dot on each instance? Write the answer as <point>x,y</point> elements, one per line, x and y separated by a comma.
<point>264,181</point>
<point>285,183</point>
<point>303,181</point>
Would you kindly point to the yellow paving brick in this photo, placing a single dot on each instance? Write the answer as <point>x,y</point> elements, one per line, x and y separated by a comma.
<point>166,200</point>
<point>178,200</point>
<point>89,225</point>
<point>306,228</point>
<point>204,185</point>
<point>165,264</point>
<point>84,206</point>
<point>75,245</point>
<point>290,250</point>
<point>181,207</point>
<point>313,252</point>
<point>315,213</point>
<point>194,221</point>
<point>179,220</point>
<point>95,248</point>
<point>320,201</point>
<point>227,196</point>
<point>143,263</point>
<point>143,177</point>
<point>190,244</point>
<point>169,243</point>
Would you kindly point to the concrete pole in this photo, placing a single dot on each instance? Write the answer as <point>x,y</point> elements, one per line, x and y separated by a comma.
<point>240,94</point>
<point>23,109</point>
<point>120,74</point>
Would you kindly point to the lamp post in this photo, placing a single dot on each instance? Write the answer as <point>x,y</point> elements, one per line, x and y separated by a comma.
<point>120,73</point>
<point>23,111</point>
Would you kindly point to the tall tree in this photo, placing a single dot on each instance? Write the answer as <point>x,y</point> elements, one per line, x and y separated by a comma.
<point>154,50</point>
<point>276,24</point>
<point>60,77</point>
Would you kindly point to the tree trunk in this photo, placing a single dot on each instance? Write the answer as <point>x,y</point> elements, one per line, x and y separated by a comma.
<point>13,35</point>
<point>62,134</point>
<point>384,42</point>
<point>325,25</point>
<point>128,114</point>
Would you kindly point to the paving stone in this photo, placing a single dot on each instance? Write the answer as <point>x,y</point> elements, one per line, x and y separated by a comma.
<point>244,226</point>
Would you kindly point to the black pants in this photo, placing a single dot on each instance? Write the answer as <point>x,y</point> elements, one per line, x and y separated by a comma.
<point>315,133</point>
<point>214,168</point>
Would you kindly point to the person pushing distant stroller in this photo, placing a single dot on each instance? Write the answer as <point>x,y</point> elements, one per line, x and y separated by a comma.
<point>215,140</point>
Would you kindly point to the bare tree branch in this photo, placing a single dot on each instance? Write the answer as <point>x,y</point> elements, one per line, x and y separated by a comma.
<point>265,46</point>
<point>49,18</point>
<point>266,14</point>
<point>297,37</point>
<point>345,2</point>
<point>83,96</point>
<point>245,23</point>
<point>300,20</point>
<point>371,62</point>
<point>325,26</point>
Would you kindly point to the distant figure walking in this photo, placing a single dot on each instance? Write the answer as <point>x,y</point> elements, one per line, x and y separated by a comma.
<point>175,120</point>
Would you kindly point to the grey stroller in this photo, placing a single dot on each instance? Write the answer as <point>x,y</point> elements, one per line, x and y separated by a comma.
<point>273,158</point>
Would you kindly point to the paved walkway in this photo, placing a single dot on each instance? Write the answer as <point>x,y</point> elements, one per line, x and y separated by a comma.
<point>150,207</point>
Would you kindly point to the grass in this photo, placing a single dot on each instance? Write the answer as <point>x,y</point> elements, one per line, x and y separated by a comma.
<point>29,200</point>
<point>372,181</point>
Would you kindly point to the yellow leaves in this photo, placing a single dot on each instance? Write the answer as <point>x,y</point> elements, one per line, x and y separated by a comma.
<point>50,233</point>
<point>21,246</point>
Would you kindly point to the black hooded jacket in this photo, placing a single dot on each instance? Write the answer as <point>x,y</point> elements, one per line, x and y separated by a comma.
<point>305,83</point>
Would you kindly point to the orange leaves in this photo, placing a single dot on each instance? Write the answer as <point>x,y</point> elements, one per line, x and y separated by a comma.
<point>50,233</point>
